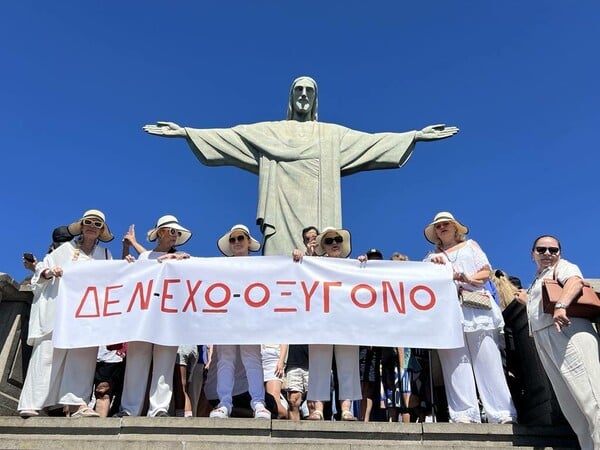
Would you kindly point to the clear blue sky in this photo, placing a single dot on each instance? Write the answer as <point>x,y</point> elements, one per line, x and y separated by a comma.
<point>80,79</point>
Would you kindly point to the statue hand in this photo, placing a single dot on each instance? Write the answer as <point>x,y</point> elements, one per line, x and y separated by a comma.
<point>167,129</point>
<point>433,132</point>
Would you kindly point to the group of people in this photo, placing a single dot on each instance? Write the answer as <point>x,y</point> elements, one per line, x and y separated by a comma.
<point>473,373</point>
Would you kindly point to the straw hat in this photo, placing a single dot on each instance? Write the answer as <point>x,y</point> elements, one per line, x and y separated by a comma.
<point>169,221</point>
<point>443,216</point>
<point>223,242</point>
<point>105,234</point>
<point>346,244</point>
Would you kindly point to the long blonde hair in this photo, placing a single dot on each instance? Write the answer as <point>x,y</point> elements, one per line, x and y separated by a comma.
<point>506,290</point>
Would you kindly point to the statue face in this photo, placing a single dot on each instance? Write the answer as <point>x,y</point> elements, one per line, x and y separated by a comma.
<point>303,97</point>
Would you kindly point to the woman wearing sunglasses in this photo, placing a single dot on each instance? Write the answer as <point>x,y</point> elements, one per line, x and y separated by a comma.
<point>168,235</point>
<point>477,366</point>
<point>567,346</point>
<point>238,242</point>
<point>69,378</point>
<point>332,243</point>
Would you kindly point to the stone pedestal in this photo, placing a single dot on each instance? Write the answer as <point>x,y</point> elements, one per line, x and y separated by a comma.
<point>15,303</point>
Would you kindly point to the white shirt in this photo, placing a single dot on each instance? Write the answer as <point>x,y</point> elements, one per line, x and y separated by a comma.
<point>539,320</point>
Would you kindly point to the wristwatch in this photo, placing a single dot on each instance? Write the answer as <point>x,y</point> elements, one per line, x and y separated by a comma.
<point>560,305</point>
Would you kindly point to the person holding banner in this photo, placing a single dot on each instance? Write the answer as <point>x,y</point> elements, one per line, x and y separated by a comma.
<point>41,323</point>
<point>73,369</point>
<point>477,366</point>
<point>169,234</point>
<point>239,242</point>
<point>332,243</point>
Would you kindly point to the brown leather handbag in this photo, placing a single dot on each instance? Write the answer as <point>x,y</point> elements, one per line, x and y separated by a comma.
<point>586,305</point>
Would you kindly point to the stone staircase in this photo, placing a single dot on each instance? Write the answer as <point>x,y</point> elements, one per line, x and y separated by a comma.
<point>203,433</point>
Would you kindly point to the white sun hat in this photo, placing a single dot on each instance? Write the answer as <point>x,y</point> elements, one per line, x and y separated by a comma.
<point>170,221</point>
<point>345,244</point>
<point>105,234</point>
<point>223,242</point>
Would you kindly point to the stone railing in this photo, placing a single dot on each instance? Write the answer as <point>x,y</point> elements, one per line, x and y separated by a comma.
<point>15,303</point>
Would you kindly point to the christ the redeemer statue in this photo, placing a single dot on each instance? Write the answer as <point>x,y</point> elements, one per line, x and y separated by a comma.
<point>299,162</point>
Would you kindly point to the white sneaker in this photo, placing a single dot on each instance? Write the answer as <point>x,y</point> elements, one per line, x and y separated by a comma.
<point>462,419</point>
<point>507,421</point>
<point>220,412</point>
<point>260,412</point>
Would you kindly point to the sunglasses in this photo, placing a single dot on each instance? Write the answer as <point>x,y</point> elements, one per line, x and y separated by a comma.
<point>173,231</point>
<point>239,238</point>
<point>330,240</point>
<point>543,250</point>
<point>94,223</point>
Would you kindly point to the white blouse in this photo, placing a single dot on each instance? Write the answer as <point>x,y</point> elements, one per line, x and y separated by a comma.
<point>470,259</point>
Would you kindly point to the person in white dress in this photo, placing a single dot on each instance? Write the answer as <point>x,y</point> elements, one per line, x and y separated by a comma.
<point>238,242</point>
<point>169,234</point>
<point>333,243</point>
<point>36,386</point>
<point>477,366</point>
<point>72,373</point>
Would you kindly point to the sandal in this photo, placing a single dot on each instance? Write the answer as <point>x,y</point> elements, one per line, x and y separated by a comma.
<point>315,415</point>
<point>85,412</point>
<point>348,417</point>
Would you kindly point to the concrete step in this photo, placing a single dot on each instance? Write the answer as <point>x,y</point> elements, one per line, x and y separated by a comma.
<point>203,433</point>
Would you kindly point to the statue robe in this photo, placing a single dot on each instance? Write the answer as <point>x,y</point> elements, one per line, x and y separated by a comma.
<point>299,165</point>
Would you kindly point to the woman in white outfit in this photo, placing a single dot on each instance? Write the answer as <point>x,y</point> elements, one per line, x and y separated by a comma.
<point>72,372</point>
<point>333,243</point>
<point>41,323</point>
<point>567,346</point>
<point>477,366</point>
<point>169,234</point>
<point>238,242</point>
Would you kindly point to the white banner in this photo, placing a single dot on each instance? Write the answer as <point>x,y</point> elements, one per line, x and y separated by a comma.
<point>253,300</point>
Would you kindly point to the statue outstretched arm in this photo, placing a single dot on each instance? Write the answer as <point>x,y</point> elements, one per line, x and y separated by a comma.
<point>166,129</point>
<point>434,132</point>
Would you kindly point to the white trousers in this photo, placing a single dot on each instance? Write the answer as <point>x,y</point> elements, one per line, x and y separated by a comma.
<point>570,358</point>
<point>319,369</point>
<point>137,369</point>
<point>479,361</point>
<point>72,375</point>
<point>37,380</point>
<point>252,361</point>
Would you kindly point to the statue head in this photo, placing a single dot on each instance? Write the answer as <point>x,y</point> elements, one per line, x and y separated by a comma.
<point>303,102</point>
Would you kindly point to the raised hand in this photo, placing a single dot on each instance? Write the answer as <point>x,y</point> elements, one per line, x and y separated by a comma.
<point>167,129</point>
<point>434,132</point>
